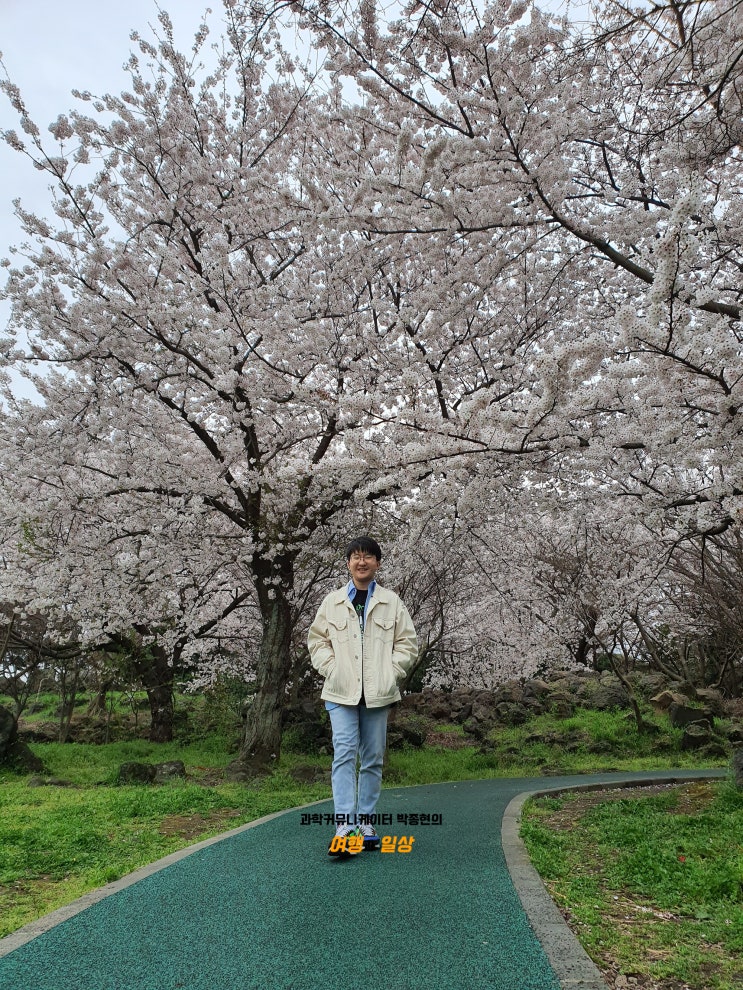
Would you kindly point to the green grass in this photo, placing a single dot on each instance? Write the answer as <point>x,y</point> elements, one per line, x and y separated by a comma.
<point>57,843</point>
<point>89,765</point>
<point>650,887</point>
<point>44,706</point>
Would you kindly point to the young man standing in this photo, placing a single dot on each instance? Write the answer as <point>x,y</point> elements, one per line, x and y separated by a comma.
<point>363,643</point>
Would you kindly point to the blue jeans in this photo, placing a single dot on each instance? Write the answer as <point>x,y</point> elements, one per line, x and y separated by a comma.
<point>358,732</point>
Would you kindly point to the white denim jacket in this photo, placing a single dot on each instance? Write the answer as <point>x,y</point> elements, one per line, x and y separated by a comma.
<point>389,646</point>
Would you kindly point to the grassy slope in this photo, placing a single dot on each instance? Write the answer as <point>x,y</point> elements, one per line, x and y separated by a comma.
<point>652,885</point>
<point>57,843</point>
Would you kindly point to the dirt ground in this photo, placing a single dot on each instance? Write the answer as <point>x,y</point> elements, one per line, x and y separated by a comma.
<point>192,826</point>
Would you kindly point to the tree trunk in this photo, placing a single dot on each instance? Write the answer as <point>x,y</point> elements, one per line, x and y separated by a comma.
<point>99,701</point>
<point>261,746</point>
<point>582,650</point>
<point>639,720</point>
<point>68,697</point>
<point>157,676</point>
<point>301,683</point>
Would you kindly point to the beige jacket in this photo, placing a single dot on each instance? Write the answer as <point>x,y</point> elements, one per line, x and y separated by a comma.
<point>389,648</point>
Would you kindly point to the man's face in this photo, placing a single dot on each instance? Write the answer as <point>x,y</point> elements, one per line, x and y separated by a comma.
<point>362,568</point>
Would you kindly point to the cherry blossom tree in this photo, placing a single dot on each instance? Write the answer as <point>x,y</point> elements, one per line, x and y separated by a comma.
<point>183,290</point>
<point>228,364</point>
<point>608,157</point>
<point>127,573</point>
<point>580,182</point>
<point>696,632</point>
<point>503,267</point>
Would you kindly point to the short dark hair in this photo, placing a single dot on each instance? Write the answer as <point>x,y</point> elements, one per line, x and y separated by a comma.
<point>364,544</point>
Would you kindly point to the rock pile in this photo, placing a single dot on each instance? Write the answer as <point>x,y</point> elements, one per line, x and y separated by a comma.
<point>696,710</point>
<point>13,751</point>
<point>515,702</point>
<point>698,722</point>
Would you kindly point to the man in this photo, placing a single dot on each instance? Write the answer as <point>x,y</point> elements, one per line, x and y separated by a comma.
<point>363,643</point>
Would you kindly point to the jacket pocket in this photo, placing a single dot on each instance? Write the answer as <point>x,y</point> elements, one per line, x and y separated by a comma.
<point>338,631</point>
<point>382,633</point>
<point>383,628</point>
<point>387,682</point>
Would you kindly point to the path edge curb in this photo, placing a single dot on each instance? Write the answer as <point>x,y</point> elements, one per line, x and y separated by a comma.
<point>16,939</point>
<point>573,967</point>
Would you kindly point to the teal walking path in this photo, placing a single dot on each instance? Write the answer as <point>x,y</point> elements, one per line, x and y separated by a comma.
<point>266,908</point>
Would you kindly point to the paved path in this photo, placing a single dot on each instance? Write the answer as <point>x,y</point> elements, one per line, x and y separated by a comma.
<point>264,908</point>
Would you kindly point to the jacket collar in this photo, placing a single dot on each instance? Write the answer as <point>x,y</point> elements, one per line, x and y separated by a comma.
<point>380,594</point>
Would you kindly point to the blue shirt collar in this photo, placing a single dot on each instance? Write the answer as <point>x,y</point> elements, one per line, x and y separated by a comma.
<point>351,590</point>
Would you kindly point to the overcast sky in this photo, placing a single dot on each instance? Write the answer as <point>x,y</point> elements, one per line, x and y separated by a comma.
<point>50,48</point>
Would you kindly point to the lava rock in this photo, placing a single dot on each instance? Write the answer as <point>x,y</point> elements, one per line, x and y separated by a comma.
<point>171,770</point>
<point>696,736</point>
<point>136,773</point>
<point>665,699</point>
<point>683,715</point>
<point>14,752</point>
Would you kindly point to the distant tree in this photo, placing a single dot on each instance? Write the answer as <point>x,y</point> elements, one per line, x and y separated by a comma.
<point>28,656</point>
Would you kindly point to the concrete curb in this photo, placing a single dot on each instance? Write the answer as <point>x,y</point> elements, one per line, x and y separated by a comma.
<point>572,965</point>
<point>31,931</point>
